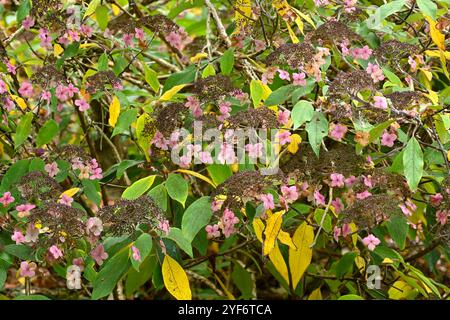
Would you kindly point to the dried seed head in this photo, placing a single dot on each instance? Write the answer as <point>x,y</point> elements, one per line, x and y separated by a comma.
<point>213,88</point>
<point>296,55</point>
<point>333,31</point>
<point>393,50</point>
<point>350,83</point>
<point>98,81</point>
<point>263,118</point>
<point>170,117</point>
<point>38,186</point>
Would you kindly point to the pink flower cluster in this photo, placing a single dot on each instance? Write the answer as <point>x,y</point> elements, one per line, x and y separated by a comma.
<point>226,225</point>
<point>90,170</point>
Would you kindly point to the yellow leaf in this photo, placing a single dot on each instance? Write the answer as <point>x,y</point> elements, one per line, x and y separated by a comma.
<point>285,238</point>
<point>199,56</point>
<point>399,290</point>
<point>19,101</point>
<point>145,131</point>
<point>292,34</point>
<point>354,234</point>
<point>242,13</point>
<point>70,192</point>
<point>360,263</point>
<point>175,279</point>
<point>437,37</point>
<point>293,145</point>
<point>433,96</point>
<point>437,54</point>
<point>115,10</point>
<point>278,262</point>
<point>387,261</point>
<point>171,92</point>
<point>57,50</point>
<point>197,175</point>
<point>91,8</point>
<point>304,16</point>
<point>258,226</point>
<point>427,74</point>
<point>114,111</point>
<point>224,288</point>
<point>299,24</point>
<point>271,231</point>
<point>315,295</point>
<point>300,258</point>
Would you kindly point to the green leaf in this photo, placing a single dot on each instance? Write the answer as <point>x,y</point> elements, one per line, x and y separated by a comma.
<point>182,77</point>
<point>124,165</point>
<point>91,189</point>
<point>345,263</point>
<point>256,92</point>
<point>413,163</point>
<point>377,131</point>
<point>102,63</point>
<point>351,297</point>
<point>23,130</point>
<point>47,132</point>
<point>101,15</point>
<point>20,251</point>
<point>177,235</point>
<point>14,173</point>
<point>209,71</point>
<point>219,172</point>
<point>398,229</point>
<point>23,11</point>
<point>151,77</point>
<point>302,112</point>
<point>243,280</point>
<point>317,129</point>
<point>3,276</point>
<point>144,243</point>
<point>428,8</point>
<point>318,215</point>
<point>124,122</point>
<point>159,195</point>
<point>177,188</point>
<point>227,61</point>
<point>110,274</point>
<point>91,8</point>
<point>196,216</point>
<point>374,20</point>
<point>136,279</point>
<point>138,188</point>
<point>280,95</point>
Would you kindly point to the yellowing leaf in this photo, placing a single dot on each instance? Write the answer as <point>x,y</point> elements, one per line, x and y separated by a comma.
<point>242,13</point>
<point>199,56</point>
<point>354,234</point>
<point>114,111</point>
<point>387,261</point>
<point>299,24</point>
<point>360,263</point>
<point>175,279</point>
<point>70,192</point>
<point>115,10</point>
<point>315,295</point>
<point>285,238</point>
<point>433,96</point>
<point>19,101</point>
<point>292,34</point>
<point>399,290</point>
<point>427,73</point>
<point>437,54</point>
<point>271,231</point>
<point>145,131</point>
<point>197,175</point>
<point>171,92</point>
<point>278,262</point>
<point>437,37</point>
<point>91,8</point>
<point>300,258</point>
<point>293,145</point>
<point>57,50</point>
<point>258,226</point>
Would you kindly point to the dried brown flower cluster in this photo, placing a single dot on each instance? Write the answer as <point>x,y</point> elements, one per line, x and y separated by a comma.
<point>264,118</point>
<point>213,88</point>
<point>160,24</point>
<point>98,81</point>
<point>349,83</point>
<point>170,117</point>
<point>402,100</point>
<point>394,50</point>
<point>296,55</point>
<point>125,215</point>
<point>245,186</point>
<point>333,31</point>
<point>70,152</point>
<point>50,13</point>
<point>37,186</point>
<point>48,75</point>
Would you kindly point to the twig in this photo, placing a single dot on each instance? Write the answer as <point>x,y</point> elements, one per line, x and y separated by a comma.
<point>330,195</point>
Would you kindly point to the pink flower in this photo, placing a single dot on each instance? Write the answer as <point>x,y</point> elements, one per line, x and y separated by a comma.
<point>185,161</point>
<point>64,39</point>
<point>52,169</point>
<point>283,117</point>
<point>71,90</point>
<point>99,254</point>
<point>27,269</point>
<point>284,137</point>
<point>174,38</point>
<point>46,40</point>
<point>284,75</point>
<point>28,22</point>
<point>18,237</point>
<point>73,35</point>
<point>62,93</point>
<point>160,142</point>
<point>337,180</point>
<point>290,194</point>
<point>205,157</point>
<point>194,105</point>
<point>55,252</point>
<point>362,53</point>
<point>128,39</point>
<point>267,200</point>
<point>387,139</point>
<point>368,181</point>
<point>350,181</point>
<point>375,72</point>
<point>26,89</point>
<point>319,198</point>
<point>23,210</point>
<point>380,102</point>
<point>216,205</point>
<point>441,216</point>
<point>224,109</point>
<point>408,208</point>
<point>32,234</point>
<point>136,254</point>
<point>6,199</point>
<point>82,105</point>
<point>338,205</point>
<point>2,87</point>
<point>363,195</point>
<point>412,63</point>
<point>299,79</point>
<point>46,95</point>
<point>436,199</point>
<point>226,154</point>
<point>212,231</point>
<point>94,226</point>
<point>254,150</point>
<point>371,242</point>
<point>139,34</point>
<point>346,230</point>
<point>227,222</point>
<point>10,67</point>
<point>337,131</point>
<point>66,200</point>
<point>336,233</point>
<point>164,226</point>
<point>86,30</point>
